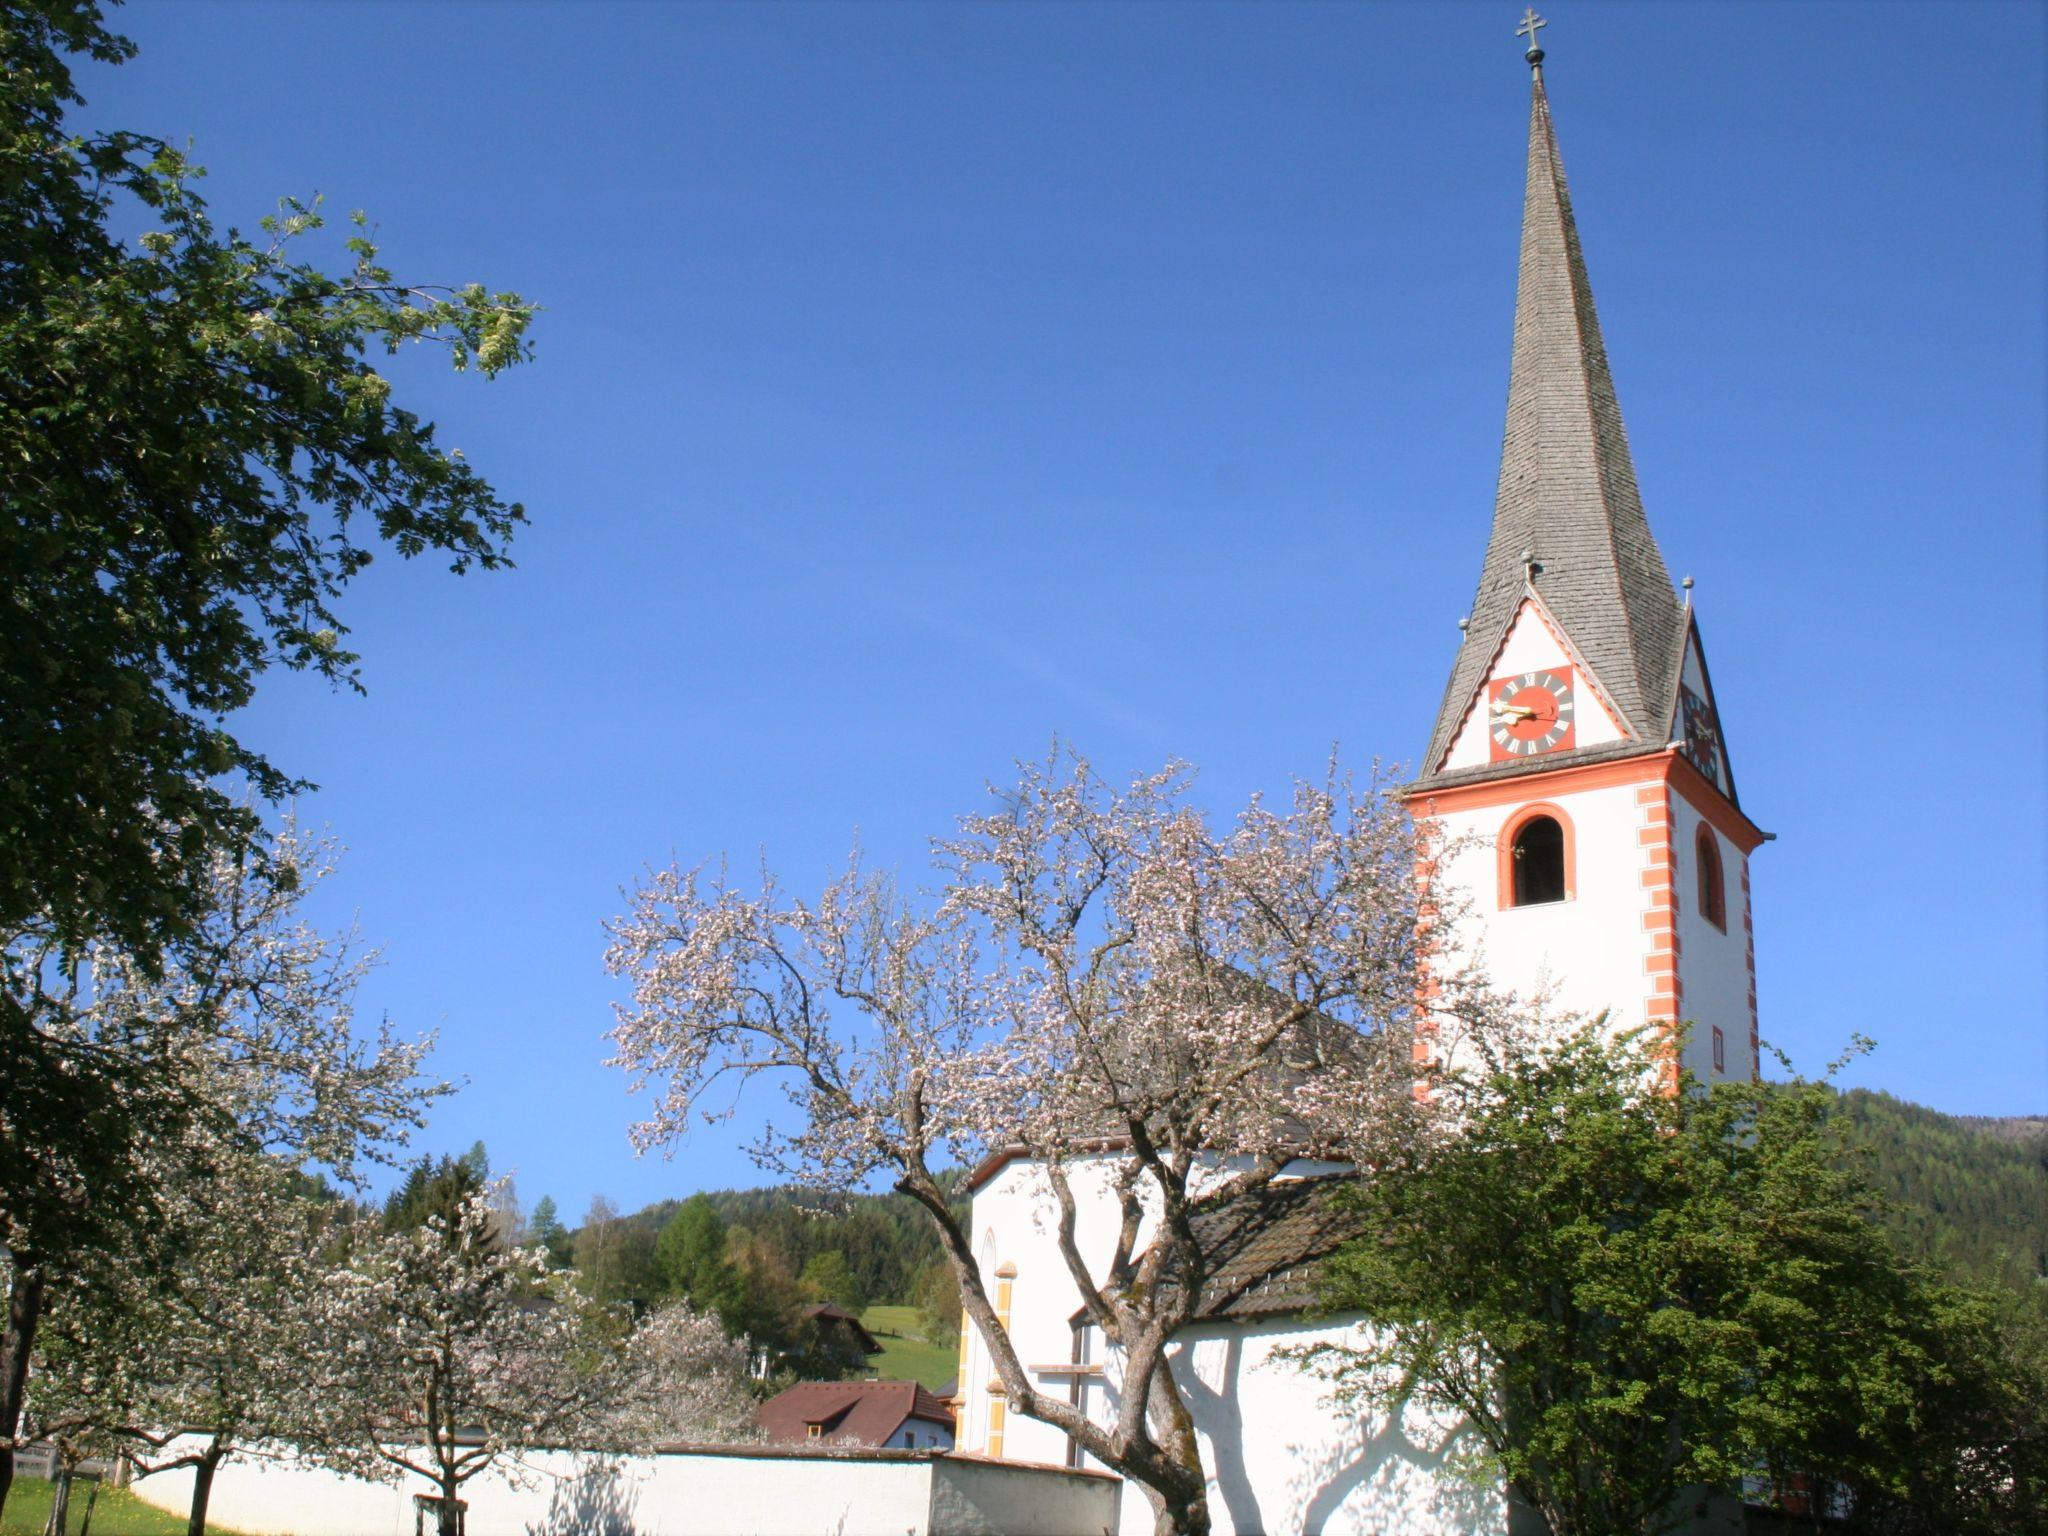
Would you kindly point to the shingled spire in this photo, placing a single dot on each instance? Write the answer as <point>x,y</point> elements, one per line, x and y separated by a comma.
<point>1568,521</point>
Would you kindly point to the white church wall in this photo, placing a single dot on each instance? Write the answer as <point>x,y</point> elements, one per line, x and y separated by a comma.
<point>1713,963</point>
<point>1282,1456</point>
<point>740,1492</point>
<point>1586,952</point>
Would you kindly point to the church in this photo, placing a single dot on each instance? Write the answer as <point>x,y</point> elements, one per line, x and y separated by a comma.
<point>1577,775</point>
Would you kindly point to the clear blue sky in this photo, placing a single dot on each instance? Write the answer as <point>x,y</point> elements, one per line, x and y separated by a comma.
<point>918,382</point>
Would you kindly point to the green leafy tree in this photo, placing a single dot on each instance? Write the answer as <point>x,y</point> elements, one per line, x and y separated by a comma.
<point>432,1187</point>
<point>938,1305</point>
<point>831,1278</point>
<point>615,1257</point>
<point>197,453</point>
<point>1633,1296</point>
<point>545,1228</point>
<point>690,1257</point>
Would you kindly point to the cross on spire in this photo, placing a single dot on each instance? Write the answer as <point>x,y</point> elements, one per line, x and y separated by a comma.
<point>1531,24</point>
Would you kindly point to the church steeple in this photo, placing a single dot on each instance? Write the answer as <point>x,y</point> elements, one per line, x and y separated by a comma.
<point>1568,523</point>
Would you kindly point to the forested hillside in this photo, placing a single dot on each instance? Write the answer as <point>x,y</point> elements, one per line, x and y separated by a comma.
<point>886,1240</point>
<point>1969,1191</point>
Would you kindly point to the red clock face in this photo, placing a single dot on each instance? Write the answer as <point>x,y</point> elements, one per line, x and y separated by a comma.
<point>1530,713</point>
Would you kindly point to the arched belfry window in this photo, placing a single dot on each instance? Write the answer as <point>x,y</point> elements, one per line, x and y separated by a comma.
<point>1536,858</point>
<point>1713,888</point>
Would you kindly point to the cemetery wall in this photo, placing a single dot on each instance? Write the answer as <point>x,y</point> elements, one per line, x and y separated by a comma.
<point>728,1491</point>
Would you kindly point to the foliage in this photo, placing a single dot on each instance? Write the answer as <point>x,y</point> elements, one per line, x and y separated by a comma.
<point>690,1259</point>
<point>197,453</point>
<point>467,1351</point>
<point>431,1187</point>
<point>183,1075</point>
<point>1103,973</point>
<point>1630,1293</point>
<point>239,1349</point>
<point>886,1238</point>
<point>831,1278</point>
<point>1968,1194</point>
<point>614,1257</point>
<point>938,1306</point>
<point>546,1230</point>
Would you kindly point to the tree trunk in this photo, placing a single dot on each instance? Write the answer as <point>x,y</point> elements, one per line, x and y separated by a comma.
<point>1182,1516</point>
<point>449,1517</point>
<point>24,1311</point>
<point>202,1488</point>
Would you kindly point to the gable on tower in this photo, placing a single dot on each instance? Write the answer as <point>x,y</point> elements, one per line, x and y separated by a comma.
<point>1696,717</point>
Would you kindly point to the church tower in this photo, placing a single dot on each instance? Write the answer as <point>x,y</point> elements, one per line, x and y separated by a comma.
<point>1577,777</point>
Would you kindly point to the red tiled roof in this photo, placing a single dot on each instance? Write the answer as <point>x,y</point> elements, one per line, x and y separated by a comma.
<point>849,1412</point>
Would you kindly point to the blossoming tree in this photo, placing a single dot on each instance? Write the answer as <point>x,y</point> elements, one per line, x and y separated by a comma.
<point>466,1352</point>
<point>173,1079</point>
<point>1103,975</point>
<point>235,1351</point>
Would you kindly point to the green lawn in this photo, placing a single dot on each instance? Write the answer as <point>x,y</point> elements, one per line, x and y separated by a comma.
<point>906,1354</point>
<point>118,1512</point>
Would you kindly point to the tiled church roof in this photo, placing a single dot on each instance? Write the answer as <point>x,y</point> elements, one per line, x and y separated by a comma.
<point>1263,1248</point>
<point>1568,489</point>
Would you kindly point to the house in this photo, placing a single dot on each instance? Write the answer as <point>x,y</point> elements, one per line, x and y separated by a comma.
<point>892,1415</point>
<point>1578,775</point>
<point>835,1322</point>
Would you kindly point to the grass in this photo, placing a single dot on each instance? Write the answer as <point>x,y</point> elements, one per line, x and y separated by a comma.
<point>118,1512</point>
<point>906,1354</point>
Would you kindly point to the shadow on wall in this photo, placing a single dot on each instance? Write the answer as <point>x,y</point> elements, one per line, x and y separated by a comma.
<point>1218,1413</point>
<point>1403,1462</point>
<point>1413,1474</point>
<point>598,1501</point>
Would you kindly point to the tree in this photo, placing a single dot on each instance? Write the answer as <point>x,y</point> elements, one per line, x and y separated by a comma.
<point>467,1351</point>
<point>1106,983</point>
<point>684,1378</point>
<point>431,1187</point>
<point>938,1305</point>
<point>1632,1295</point>
<point>690,1258</point>
<point>546,1231</point>
<point>832,1278</point>
<point>239,1351</point>
<point>614,1257</point>
<point>168,1078</point>
<point>197,453</point>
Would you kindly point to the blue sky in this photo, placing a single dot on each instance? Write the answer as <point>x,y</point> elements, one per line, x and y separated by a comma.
<point>918,382</point>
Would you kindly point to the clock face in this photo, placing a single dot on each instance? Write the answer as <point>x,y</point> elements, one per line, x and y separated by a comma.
<point>1702,733</point>
<point>1530,713</point>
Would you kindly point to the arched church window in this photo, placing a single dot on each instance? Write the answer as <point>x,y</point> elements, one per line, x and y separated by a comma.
<point>1713,890</point>
<point>1536,857</point>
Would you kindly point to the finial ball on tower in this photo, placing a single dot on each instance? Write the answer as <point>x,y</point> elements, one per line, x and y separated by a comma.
<point>1531,25</point>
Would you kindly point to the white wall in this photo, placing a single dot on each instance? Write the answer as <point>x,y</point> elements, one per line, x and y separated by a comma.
<point>1281,1456</point>
<point>560,1493</point>
<point>1713,965</point>
<point>1587,952</point>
